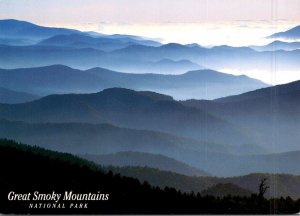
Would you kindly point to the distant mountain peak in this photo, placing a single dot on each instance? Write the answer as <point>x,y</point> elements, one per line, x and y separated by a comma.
<point>173,45</point>
<point>193,45</point>
<point>117,90</point>
<point>11,28</point>
<point>156,96</point>
<point>263,92</point>
<point>204,72</point>
<point>54,67</point>
<point>293,33</point>
<point>278,45</point>
<point>149,94</point>
<point>16,22</point>
<point>226,47</point>
<point>277,42</point>
<point>167,61</point>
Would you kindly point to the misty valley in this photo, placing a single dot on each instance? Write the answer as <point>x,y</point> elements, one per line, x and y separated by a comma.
<point>146,123</point>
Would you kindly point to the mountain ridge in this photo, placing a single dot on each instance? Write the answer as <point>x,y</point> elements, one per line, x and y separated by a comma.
<point>127,108</point>
<point>280,184</point>
<point>55,79</point>
<point>133,57</point>
<point>16,28</point>
<point>278,45</point>
<point>293,33</point>
<point>142,159</point>
<point>105,43</point>
<point>270,113</point>
<point>13,97</point>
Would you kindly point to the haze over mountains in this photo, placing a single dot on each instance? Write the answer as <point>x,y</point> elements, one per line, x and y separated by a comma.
<point>125,100</point>
<point>85,50</point>
<point>280,184</point>
<point>247,123</point>
<point>102,43</point>
<point>11,97</point>
<point>31,33</point>
<point>278,45</point>
<point>56,79</point>
<point>216,58</point>
<point>64,171</point>
<point>128,108</point>
<point>140,159</point>
<point>273,113</point>
<point>220,160</point>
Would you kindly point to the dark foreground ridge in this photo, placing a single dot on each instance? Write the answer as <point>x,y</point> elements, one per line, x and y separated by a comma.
<point>26,169</point>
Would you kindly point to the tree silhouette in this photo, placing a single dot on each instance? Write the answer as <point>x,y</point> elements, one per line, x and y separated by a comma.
<point>262,188</point>
<point>47,171</point>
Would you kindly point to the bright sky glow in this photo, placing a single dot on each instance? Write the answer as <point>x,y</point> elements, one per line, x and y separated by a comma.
<point>237,33</point>
<point>207,22</point>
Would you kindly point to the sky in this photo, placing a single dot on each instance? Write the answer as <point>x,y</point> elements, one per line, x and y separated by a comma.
<point>207,22</point>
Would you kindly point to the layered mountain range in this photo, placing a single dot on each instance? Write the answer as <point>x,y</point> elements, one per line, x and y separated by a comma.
<point>193,132</point>
<point>162,113</point>
<point>132,54</point>
<point>58,79</point>
<point>273,113</point>
<point>64,172</point>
